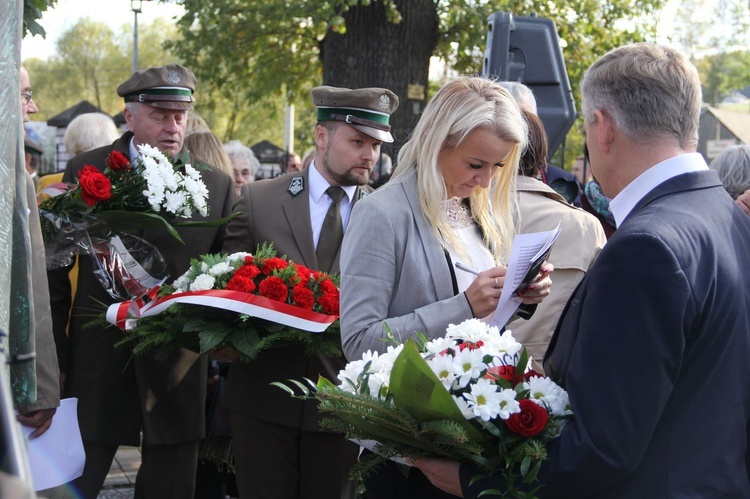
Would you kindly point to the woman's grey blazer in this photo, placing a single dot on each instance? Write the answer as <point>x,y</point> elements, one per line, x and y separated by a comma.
<point>393,270</point>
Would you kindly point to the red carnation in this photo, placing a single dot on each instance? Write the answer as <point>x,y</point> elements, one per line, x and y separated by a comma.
<point>303,297</point>
<point>530,421</point>
<point>328,286</point>
<point>249,271</point>
<point>273,288</point>
<point>249,259</point>
<point>241,283</point>
<point>470,345</point>
<point>95,186</point>
<point>117,161</point>
<point>274,263</point>
<point>330,303</point>
<point>303,273</point>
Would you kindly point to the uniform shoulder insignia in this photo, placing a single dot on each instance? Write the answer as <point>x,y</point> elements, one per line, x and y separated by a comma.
<point>296,186</point>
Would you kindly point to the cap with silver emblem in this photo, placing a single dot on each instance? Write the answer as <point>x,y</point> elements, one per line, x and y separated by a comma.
<point>366,109</point>
<point>167,87</point>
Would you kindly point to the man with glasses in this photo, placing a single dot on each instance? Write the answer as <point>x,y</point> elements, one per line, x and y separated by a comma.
<point>39,414</point>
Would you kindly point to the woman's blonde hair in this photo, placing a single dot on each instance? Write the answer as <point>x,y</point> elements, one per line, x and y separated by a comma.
<point>459,107</point>
<point>207,147</point>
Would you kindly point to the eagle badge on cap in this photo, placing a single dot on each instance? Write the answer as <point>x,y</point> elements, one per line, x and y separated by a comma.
<point>385,101</point>
<point>296,186</point>
<point>173,76</point>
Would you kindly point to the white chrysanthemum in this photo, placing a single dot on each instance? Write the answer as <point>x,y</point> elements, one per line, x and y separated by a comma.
<point>202,283</point>
<point>148,151</point>
<point>378,383</point>
<point>204,267</point>
<point>384,362</point>
<point>220,268</point>
<point>463,406</point>
<point>508,404</point>
<point>467,365</point>
<point>471,330</point>
<point>192,172</point>
<point>442,366</point>
<point>484,399</point>
<point>175,202</point>
<point>548,394</point>
<point>171,178</point>
<point>438,345</point>
<point>503,343</point>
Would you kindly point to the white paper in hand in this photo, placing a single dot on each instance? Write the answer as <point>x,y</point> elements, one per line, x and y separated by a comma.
<point>526,256</point>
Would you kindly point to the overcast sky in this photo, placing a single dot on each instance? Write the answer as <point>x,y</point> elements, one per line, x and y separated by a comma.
<point>115,13</point>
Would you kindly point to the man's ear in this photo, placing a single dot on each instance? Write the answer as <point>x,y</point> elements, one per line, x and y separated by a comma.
<point>321,137</point>
<point>605,130</point>
<point>128,115</point>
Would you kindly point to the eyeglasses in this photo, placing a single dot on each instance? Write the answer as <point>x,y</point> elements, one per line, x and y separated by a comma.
<point>26,96</point>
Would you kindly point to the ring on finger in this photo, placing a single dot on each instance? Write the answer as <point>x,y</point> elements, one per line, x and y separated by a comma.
<point>497,284</point>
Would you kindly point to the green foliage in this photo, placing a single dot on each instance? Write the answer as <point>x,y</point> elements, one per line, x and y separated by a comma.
<point>32,12</point>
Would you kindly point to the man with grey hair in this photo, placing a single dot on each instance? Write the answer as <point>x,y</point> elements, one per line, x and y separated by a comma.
<point>652,347</point>
<point>121,397</point>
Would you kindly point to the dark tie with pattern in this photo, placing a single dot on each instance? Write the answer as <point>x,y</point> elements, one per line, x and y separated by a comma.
<point>331,232</point>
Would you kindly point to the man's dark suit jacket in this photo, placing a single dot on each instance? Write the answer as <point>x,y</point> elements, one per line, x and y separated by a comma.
<point>107,380</point>
<point>274,214</point>
<point>653,350</point>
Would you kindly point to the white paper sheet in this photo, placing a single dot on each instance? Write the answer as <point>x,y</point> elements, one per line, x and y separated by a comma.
<point>526,250</point>
<point>57,456</point>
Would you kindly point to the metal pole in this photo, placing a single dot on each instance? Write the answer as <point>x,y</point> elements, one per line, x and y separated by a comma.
<point>135,38</point>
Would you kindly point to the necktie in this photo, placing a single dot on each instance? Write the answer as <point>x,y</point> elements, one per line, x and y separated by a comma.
<point>331,232</point>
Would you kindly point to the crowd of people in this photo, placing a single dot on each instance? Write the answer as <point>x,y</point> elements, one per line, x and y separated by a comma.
<point>641,311</point>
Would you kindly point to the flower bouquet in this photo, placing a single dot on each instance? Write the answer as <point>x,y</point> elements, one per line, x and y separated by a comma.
<point>242,301</point>
<point>469,396</point>
<point>97,214</point>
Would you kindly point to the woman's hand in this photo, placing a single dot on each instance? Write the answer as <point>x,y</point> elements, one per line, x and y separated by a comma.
<point>442,473</point>
<point>744,201</point>
<point>539,288</point>
<point>484,293</point>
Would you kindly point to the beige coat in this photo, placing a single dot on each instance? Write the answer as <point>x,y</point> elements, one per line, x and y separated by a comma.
<point>47,371</point>
<point>580,241</point>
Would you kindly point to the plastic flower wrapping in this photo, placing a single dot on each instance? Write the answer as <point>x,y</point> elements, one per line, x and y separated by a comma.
<point>98,214</point>
<point>469,396</point>
<point>241,301</point>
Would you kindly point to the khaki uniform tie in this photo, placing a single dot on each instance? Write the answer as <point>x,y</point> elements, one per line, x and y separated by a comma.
<point>332,231</point>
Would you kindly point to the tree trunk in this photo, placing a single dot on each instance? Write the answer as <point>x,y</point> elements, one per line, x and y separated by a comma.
<point>397,56</point>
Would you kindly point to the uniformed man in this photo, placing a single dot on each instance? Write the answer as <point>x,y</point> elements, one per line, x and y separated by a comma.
<point>279,449</point>
<point>120,396</point>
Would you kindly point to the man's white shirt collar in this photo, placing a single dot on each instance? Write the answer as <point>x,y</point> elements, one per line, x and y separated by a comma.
<point>622,204</point>
<point>318,185</point>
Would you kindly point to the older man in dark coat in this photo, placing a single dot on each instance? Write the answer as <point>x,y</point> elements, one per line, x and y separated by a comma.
<point>121,396</point>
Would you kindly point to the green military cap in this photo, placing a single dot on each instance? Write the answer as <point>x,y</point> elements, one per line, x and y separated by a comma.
<point>167,87</point>
<point>366,109</point>
<point>32,146</point>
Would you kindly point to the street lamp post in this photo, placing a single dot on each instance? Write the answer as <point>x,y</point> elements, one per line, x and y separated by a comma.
<point>135,6</point>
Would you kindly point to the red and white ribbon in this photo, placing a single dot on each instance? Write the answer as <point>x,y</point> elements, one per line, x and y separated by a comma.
<point>126,314</point>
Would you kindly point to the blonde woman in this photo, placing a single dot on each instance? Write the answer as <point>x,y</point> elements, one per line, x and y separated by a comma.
<point>449,201</point>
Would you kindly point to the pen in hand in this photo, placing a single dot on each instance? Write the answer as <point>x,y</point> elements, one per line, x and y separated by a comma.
<point>461,266</point>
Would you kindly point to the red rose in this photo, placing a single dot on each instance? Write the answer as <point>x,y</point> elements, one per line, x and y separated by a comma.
<point>117,161</point>
<point>274,288</point>
<point>530,421</point>
<point>248,271</point>
<point>95,186</point>
<point>274,263</point>
<point>303,297</point>
<point>241,283</point>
